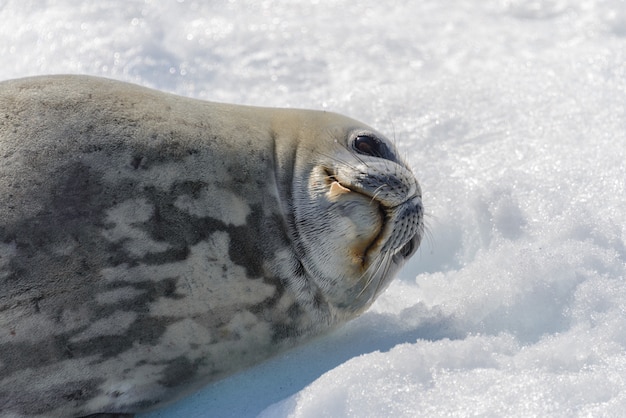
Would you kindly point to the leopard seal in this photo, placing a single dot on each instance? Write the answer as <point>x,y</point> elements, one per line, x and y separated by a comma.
<point>151,243</point>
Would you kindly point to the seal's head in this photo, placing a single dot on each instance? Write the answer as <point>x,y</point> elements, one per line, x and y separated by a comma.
<point>357,211</point>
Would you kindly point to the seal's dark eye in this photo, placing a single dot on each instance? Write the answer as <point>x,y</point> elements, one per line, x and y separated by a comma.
<point>370,145</point>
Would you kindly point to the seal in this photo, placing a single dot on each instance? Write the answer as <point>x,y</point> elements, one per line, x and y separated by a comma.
<point>150,243</point>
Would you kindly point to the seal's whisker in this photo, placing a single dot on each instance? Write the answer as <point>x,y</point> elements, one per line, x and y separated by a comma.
<point>380,266</point>
<point>387,262</point>
<point>344,162</point>
<point>378,191</point>
<point>425,232</point>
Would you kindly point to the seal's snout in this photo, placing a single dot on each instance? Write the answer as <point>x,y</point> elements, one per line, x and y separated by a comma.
<point>406,224</point>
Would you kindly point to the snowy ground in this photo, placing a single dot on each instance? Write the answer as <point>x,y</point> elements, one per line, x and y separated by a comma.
<point>512,114</point>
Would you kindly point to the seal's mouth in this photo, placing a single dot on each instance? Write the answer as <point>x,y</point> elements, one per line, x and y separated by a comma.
<point>396,228</point>
<point>364,248</point>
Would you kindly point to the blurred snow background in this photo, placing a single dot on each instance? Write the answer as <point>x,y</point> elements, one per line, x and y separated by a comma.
<point>512,114</point>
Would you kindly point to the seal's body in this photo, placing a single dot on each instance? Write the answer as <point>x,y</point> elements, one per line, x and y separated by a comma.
<point>151,243</point>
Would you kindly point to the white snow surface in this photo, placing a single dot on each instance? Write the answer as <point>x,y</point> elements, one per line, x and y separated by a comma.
<point>512,115</point>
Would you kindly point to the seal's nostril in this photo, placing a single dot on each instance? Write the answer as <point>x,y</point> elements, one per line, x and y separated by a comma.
<point>408,249</point>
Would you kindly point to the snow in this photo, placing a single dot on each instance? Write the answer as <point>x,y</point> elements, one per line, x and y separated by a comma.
<point>512,114</point>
